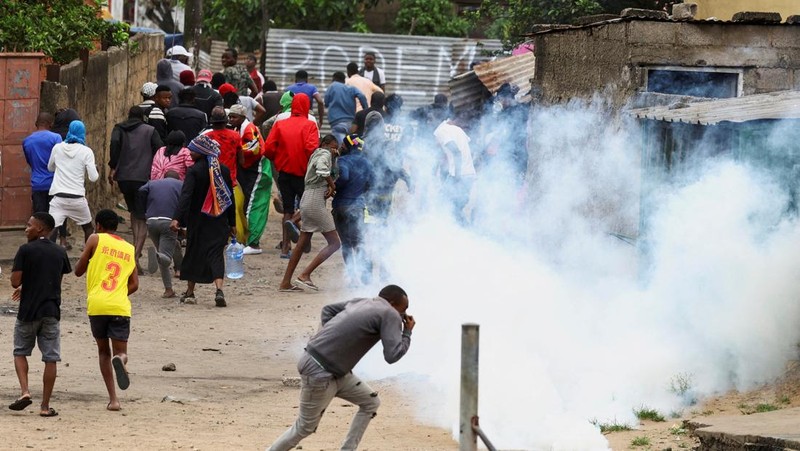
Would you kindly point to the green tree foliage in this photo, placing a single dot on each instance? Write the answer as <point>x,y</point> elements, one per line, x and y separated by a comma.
<point>511,20</point>
<point>239,21</point>
<point>615,6</point>
<point>58,28</point>
<point>430,18</point>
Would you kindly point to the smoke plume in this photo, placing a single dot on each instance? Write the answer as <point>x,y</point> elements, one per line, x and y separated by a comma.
<point>583,315</point>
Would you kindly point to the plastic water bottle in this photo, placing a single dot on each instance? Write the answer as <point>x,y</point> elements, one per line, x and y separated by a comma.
<point>234,260</point>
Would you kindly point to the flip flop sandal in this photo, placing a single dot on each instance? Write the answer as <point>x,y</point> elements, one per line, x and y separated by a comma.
<point>51,412</point>
<point>291,230</point>
<point>21,403</point>
<point>306,284</point>
<point>293,289</point>
<point>123,381</point>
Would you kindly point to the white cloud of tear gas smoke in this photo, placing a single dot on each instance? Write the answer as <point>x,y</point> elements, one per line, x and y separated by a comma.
<point>570,330</point>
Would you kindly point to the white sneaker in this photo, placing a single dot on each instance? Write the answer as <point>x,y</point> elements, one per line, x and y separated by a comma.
<point>251,250</point>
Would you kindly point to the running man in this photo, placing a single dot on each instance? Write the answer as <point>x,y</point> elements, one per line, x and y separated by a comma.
<point>349,330</point>
<point>110,267</point>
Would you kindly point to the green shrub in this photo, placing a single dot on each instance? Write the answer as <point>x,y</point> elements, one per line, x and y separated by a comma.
<point>59,29</point>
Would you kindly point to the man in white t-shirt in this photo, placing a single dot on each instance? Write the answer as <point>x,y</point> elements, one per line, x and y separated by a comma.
<point>459,172</point>
<point>372,72</point>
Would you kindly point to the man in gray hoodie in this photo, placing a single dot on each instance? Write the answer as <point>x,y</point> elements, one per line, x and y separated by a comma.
<point>133,144</point>
<point>349,330</point>
<point>164,77</point>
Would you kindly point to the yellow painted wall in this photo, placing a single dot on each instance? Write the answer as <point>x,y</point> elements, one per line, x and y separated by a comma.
<point>725,9</point>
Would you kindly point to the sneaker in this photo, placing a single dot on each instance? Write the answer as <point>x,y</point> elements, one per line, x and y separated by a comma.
<point>291,230</point>
<point>251,250</point>
<point>219,299</point>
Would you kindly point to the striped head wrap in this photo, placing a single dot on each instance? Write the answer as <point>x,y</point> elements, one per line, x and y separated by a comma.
<point>218,198</point>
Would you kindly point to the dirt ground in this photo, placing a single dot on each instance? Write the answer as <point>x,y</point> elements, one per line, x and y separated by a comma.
<point>671,434</point>
<point>227,390</point>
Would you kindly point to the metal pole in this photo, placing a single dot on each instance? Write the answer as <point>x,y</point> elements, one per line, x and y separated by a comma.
<point>470,334</point>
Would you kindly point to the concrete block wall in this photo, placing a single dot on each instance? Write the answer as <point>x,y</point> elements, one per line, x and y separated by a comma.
<point>102,91</point>
<point>613,57</point>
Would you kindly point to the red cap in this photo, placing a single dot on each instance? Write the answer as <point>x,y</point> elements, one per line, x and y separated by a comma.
<point>187,77</point>
<point>226,88</point>
<point>204,75</point>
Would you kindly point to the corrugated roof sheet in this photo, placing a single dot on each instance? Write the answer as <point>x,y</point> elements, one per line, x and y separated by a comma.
<point>467,91</point>
<point>416,67</point>
<point>774,105</point>
<point>515,70</point>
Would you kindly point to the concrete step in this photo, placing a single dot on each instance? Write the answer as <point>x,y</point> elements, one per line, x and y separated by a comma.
<point>777,430</point>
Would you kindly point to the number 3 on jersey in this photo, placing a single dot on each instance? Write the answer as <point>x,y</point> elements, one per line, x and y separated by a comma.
<point>111,282</point>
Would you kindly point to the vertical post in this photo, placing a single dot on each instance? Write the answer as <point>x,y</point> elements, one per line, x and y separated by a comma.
<point>262,64</point>
<point>470,335</point>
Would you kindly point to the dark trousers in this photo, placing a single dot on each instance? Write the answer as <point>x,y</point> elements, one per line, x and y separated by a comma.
<point>349,222</point>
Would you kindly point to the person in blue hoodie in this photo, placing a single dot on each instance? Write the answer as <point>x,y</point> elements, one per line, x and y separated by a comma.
<point>355,179</point>
<point>37,147</point>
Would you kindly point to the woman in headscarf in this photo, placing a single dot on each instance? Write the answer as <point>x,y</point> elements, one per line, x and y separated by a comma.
<point>172,157</point>
<point>206,208</point>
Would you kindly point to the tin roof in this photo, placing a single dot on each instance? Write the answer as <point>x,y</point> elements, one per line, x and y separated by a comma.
<point>469,90</point>
<point>515,70</point>
<point>774,105</point>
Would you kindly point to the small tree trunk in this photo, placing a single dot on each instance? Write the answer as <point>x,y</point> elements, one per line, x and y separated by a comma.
<point>192,20</point>
<point>264,30</point>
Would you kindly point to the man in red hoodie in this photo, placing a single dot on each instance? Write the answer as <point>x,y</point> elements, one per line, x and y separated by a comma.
<point>289,145</point>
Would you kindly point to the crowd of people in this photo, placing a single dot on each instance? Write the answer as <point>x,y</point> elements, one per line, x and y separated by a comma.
<point>196,162</point>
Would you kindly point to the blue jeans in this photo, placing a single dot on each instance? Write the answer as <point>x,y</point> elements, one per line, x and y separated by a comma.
<point>340,129</point>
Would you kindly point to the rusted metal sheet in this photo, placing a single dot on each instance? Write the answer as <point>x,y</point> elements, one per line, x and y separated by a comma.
<point>14,158</point>
<point>22,75</point>
<point>514,70</point>
<point>774,105</point>
<point>15,207</point>
<point>215,57</point>
<point>19,117</point>
<point>19,105</point>
<point>467,92</point>
<point>416,67</point>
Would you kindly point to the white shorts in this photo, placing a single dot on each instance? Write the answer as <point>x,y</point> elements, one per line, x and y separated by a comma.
<point>76,209</point>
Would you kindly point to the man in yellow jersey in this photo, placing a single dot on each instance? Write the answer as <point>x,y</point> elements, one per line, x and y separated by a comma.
<point>110,267</point>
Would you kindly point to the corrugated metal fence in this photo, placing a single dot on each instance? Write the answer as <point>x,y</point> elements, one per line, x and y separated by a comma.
<point>416,67</point>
